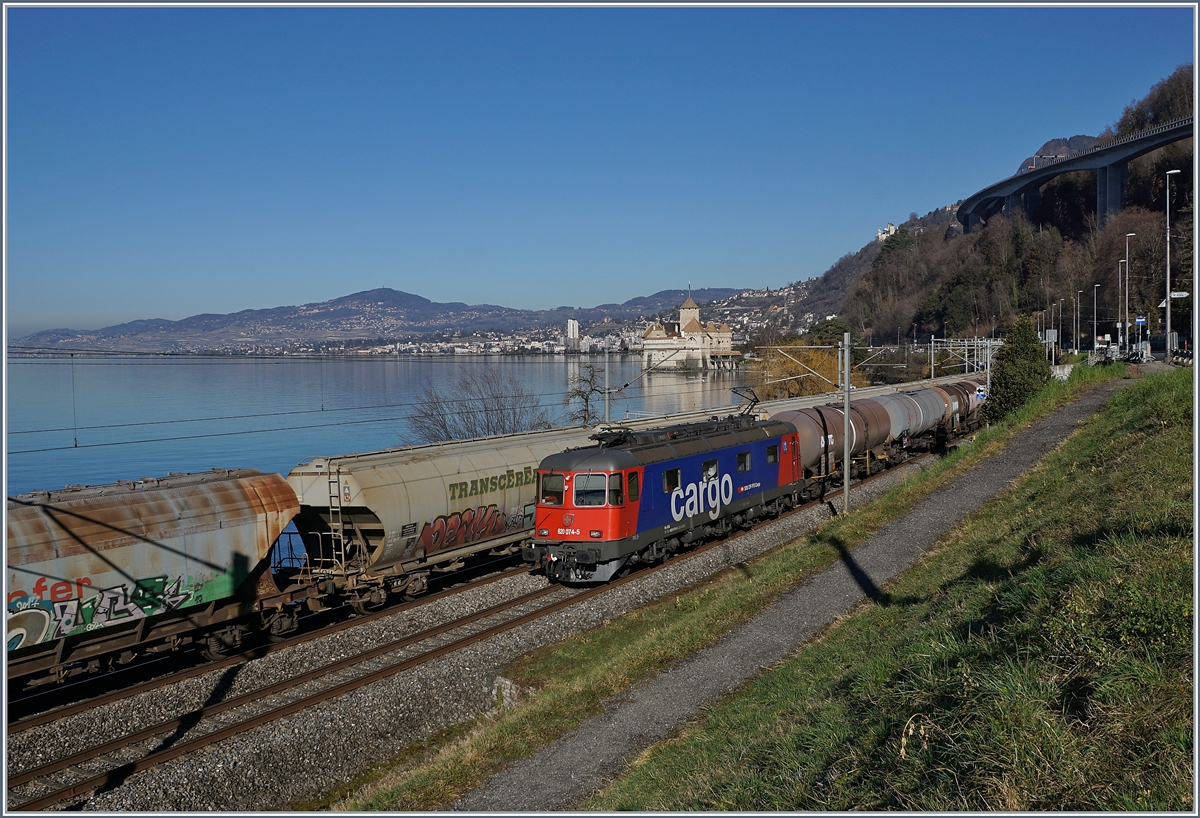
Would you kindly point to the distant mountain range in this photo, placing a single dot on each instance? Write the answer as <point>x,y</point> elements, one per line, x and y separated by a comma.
<point>370,315</point>
<point>386,315</point>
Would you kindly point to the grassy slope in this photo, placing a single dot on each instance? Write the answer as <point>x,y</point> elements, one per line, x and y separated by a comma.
<point>573,678</point>
<point>1040,659</point>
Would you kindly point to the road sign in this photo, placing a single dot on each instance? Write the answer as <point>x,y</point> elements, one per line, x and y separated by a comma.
<point>1140,320</point>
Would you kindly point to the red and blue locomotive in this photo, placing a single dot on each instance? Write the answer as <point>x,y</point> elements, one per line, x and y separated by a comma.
<point>638,496</point>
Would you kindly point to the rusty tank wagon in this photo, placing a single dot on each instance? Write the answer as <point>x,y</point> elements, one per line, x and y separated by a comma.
<point>98,574</point>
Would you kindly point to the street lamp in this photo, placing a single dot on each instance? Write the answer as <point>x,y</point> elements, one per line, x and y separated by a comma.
<point>1058,334</point>
<point>1079,308</point>
<point>1095,287</point>
<point>1127,235</point>
<point>1120,326</point>
<point>1167,340</point>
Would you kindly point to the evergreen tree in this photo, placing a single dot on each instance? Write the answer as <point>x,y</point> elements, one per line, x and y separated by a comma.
<point>1019,370</point>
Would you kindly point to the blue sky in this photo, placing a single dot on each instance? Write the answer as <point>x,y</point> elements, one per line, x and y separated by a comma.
<point>167,162</point>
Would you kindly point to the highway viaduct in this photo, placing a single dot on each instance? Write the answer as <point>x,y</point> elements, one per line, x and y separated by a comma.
<point>1109,159</point>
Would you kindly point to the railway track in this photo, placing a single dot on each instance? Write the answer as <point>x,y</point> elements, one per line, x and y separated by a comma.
<point>108,764</point>
<point>43,706</point>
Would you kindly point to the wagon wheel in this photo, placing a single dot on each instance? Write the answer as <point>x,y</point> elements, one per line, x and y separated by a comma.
<point>417,586</point>
<point>363,605</point>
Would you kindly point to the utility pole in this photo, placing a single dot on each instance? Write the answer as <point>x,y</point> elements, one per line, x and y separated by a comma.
<point>1079,310</point>
<point>846,428</point>
<point>1127,339</point>
<point>1167,340</point>
<point>988,389</point>
<point>606,379</point>
<point>1058,334</point>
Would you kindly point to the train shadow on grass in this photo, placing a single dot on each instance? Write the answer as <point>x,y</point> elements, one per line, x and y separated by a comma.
<point>864,581</point>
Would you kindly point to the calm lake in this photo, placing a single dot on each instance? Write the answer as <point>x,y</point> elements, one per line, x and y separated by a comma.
<point>96,420</point>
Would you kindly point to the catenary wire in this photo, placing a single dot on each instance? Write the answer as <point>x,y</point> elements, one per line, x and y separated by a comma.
<point>628,389</point>
<point>223,434</point>
<point>631,389</point>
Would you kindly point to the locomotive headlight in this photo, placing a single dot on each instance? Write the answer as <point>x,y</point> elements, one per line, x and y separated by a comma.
<point>595,535</point>
<point>543,532</point>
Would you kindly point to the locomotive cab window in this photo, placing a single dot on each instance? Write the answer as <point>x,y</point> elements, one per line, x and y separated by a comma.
<point>743,461</point>
<point>633,487</point>
<point>615,490</point>
<point>709,471</point>
<point>772,454</point>
<point>670,480</point>
<point>590,489</point>
<point>552,490</point>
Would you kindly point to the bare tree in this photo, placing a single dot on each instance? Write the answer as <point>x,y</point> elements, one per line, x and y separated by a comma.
<point>585,395</point>
<point>482,402</point>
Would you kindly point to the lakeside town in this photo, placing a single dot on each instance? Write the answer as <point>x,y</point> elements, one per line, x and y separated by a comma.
<point>720,327</point>
<point>387,322</point>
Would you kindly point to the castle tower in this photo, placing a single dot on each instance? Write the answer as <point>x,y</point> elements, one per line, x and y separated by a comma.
<point>689,311</point>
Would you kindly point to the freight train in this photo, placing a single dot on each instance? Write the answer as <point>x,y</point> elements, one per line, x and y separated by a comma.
<point>99,575</point>
<point>640,496</point>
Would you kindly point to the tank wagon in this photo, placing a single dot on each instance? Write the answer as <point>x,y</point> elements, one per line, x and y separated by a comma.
<point>640,496</point>
<point>886,428</point>
<point>98,574</point>
<point>384,522</point>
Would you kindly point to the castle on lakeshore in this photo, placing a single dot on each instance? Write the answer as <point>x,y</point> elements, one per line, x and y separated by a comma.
<point>689,344</point>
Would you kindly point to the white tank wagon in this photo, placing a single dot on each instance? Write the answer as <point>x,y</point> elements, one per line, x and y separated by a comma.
<point>102,573</point>
<point>383,521</point>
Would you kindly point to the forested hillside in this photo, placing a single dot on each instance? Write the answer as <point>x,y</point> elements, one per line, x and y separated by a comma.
<point>941,282</point>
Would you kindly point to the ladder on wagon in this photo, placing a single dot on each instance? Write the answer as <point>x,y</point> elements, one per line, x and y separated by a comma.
<point>337,539</point>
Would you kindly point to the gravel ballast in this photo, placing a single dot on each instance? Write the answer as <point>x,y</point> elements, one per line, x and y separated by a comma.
<point>304,756</point>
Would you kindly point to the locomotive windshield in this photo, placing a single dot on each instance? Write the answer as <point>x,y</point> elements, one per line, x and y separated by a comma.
<point>590,489</point>
<point>552,490</point>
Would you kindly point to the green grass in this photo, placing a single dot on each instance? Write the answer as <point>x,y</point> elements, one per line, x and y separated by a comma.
<point>1039,660</point>
<point>572,679</point>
